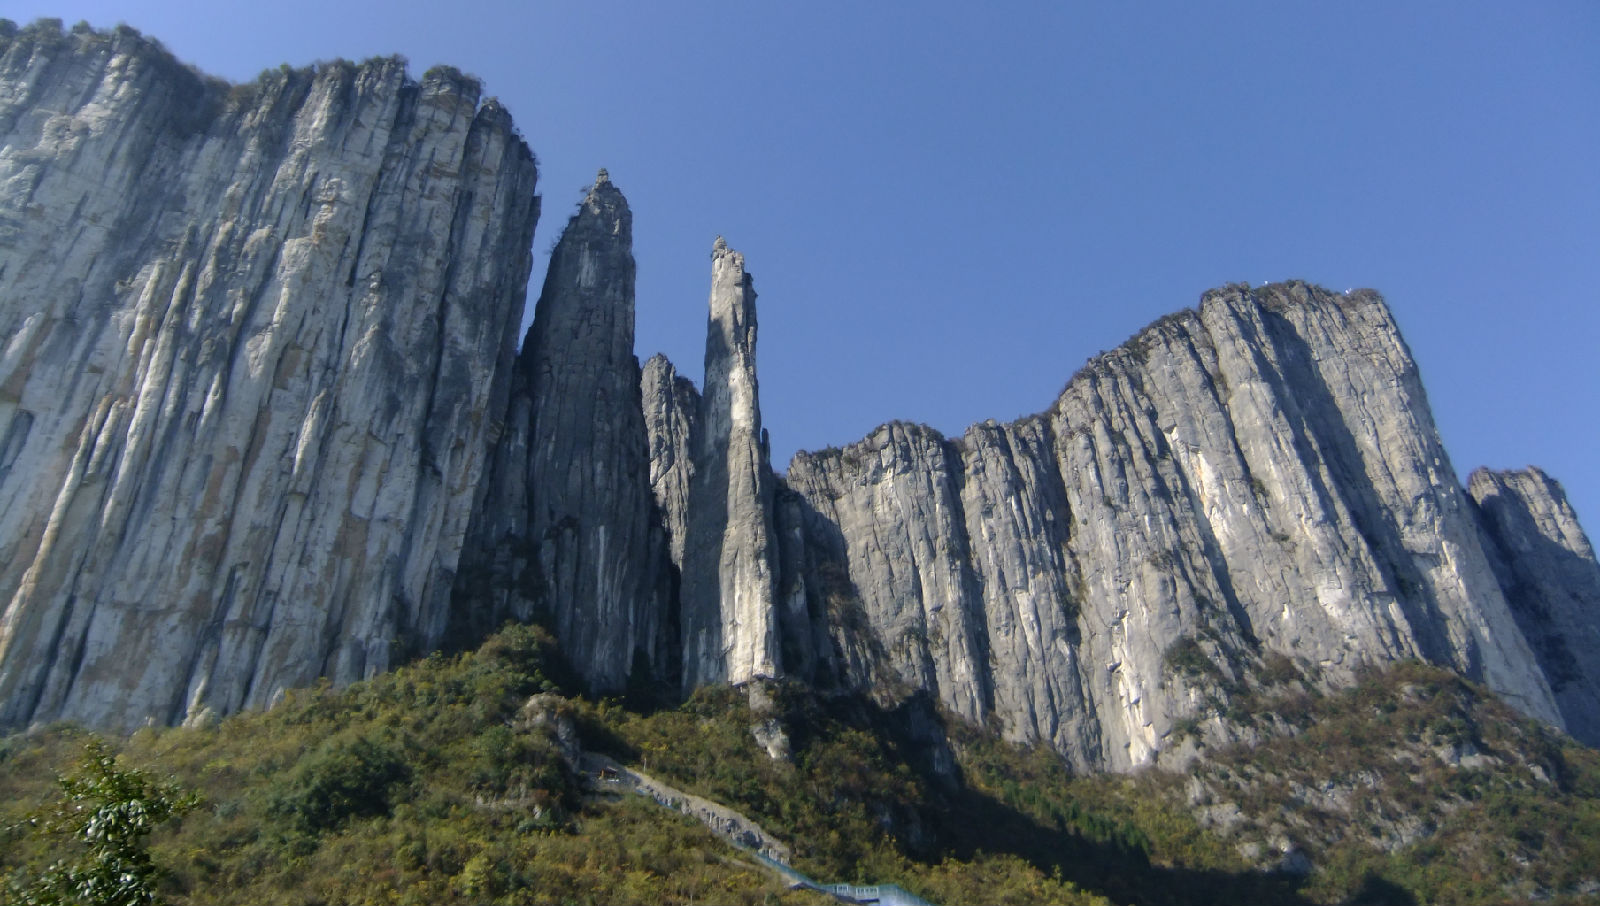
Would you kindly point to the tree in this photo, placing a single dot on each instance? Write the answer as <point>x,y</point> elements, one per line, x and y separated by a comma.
<point>107,812</point>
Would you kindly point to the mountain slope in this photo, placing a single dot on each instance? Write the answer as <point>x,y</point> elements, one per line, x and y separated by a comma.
<point>452,780</point>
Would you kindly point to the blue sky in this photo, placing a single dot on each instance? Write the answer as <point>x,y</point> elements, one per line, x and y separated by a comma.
<point>948,207</point>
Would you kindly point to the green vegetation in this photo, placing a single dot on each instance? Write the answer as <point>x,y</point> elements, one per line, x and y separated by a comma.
<point>1415,781</point>
<point>449,780</point>
<point>102,818</point>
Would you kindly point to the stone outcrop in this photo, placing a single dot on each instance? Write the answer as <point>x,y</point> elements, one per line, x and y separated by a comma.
<point>262,421</point>
<point>1548,570</point>
<point>567,514</point>
<point>1257,476</point>
<point>728,599</point>
<point>257,340</point>
<point>671,411</point>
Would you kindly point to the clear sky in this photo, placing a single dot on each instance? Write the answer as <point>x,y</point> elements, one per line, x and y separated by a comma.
<point>948,207</point>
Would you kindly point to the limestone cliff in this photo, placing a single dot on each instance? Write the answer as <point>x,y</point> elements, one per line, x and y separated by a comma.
<point>729,586</point>
<point>1257,476</point>
<point>567,515</point>
<point>671,410</point>
<point>257,340</point>
<point>262,421</point>
<point>1548,570</point>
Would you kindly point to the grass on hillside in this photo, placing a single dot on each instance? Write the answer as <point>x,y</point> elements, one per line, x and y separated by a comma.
<point>437,783</point>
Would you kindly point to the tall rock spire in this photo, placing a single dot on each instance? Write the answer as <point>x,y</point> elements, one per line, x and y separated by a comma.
<point>729,590</point>
<point>588,462</point>
<point>565,526</point>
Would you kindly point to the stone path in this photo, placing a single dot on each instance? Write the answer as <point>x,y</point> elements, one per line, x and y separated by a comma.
<point>606,774</point>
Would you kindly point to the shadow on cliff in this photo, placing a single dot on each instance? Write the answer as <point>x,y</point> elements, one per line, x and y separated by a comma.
<point>1542,582</point>
<point>1321,433</point>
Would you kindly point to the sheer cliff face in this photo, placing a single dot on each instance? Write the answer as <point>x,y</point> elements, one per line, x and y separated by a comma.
<point>1261,475</point>
<point>257,339</point>
<point>1548,570</point>
<point>566,523</point>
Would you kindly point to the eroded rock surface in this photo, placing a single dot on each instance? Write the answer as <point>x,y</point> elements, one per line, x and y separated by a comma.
<point>671,412</point>
<point>1259,475</point>
<point>257,340</point>
<point>569,513</point>
<point>729,588</point>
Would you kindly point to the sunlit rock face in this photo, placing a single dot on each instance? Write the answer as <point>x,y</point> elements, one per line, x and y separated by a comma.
<point>671,409</point>
<point>1548,570</point>
<point>1259,475</point>
<point>729,586</point>
<point>257,339</point>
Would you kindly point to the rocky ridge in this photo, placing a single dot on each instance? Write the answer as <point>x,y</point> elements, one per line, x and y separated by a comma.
<point>1258,475</point>
<point>363,468</point>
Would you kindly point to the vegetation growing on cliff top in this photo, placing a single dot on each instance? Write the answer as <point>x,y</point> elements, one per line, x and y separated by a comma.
<point>430,785</point>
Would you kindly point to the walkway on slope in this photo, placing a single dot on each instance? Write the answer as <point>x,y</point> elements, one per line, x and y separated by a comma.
<point>605,774</point>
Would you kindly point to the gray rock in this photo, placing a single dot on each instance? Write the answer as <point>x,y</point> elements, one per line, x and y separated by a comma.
<point>671,410</point>
<point>1548,570</point>
<point>1259,476</point>
<point>1031,591</point>
<point>728,611</point>
<point>260,424</point>
<point>257,340</point>
<point>892,567</point>
<point>569,510</point>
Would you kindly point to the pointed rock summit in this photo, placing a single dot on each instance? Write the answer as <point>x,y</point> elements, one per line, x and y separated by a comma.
<point>565,528</point>
<point>729,590</point>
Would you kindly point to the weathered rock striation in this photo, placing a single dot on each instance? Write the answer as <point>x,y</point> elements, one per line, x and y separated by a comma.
<point>566,521</point>
<point>262,420</point>
<point>1552,581</point>
<point>257,339</point>
<point>671,411</point>
<point>1259,475</point>
<point>728,597</point>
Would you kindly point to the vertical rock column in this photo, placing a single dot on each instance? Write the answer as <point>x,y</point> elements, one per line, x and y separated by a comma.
<point>729,590</point>
<point>588,470</point>
<point>671,410</point>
